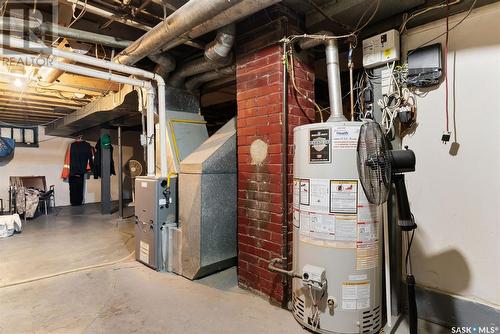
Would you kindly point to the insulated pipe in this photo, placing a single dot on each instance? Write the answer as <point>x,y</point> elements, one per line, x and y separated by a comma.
<point>196,81</point>
<point>197,66</point>
<point>109,15</point>
<point>220,47</point>
<point>232,14</point>
<point>191,14</point>
<point>36,47</point>
<point>19,25</point>
<point>165,63</point>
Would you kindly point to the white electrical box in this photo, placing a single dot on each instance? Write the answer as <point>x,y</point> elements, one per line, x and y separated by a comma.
<point>314,275</point>
<point>381,49</point>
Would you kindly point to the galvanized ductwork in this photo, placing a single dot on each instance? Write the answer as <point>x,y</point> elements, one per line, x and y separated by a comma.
<point>197,66</point>
<point>220,47</point>
<point>217,54</point>
<point>196,81</point>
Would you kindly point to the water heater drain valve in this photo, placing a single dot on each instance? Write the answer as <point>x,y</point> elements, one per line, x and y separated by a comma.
<point>314,276</point>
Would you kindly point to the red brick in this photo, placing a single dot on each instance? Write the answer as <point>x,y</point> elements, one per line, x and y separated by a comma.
<point>259,96</point>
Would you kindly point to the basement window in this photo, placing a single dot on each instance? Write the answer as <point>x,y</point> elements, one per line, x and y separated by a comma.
<point>24,136</point>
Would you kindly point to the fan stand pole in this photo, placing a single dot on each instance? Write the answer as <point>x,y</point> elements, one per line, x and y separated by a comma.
<point>387,265</point>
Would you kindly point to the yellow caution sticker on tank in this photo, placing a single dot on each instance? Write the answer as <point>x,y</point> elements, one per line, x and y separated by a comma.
<point>355,295</point>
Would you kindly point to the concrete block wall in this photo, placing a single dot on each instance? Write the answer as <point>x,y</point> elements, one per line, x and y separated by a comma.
<point>259,78</point>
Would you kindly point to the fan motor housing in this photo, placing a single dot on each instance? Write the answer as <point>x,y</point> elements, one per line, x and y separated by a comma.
<point>335,228</point>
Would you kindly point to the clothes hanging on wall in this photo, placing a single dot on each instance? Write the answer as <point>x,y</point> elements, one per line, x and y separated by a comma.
<point>103,143</point>
<point>78,161</point>
<point>76,187</point>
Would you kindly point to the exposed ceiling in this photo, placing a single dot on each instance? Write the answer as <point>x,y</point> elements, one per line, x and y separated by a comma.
<point>37,101</point>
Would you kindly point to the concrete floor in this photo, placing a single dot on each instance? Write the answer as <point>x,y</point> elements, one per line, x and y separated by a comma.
<point>126,297</point>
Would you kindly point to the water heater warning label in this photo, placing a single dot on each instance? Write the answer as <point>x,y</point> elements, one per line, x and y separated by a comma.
<point>355,295</point>
<point>319,146</point>
<point>344,196</point>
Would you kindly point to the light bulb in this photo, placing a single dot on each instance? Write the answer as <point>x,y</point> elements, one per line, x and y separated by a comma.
<point>18,83</point>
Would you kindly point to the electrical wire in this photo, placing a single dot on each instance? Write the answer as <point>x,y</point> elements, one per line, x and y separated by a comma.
<point>409,242</point>
<point>39,278</point>
<point>473,5</point>
<point>443,4</point>
<point>292,76</point>
<point>325,37</point>
<point>27,125</point>
<point>446,65</point>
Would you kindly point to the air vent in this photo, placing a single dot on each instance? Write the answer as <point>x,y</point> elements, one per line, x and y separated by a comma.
<point>298,307</point>
<point>371,321</point>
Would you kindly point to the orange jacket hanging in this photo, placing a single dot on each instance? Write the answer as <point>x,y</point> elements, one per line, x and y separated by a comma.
<point>67,163</point>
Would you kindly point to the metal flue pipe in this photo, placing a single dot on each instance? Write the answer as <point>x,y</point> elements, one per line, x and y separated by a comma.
<point>191,14</point>
<point>332,71</point>
<point>334,86</point>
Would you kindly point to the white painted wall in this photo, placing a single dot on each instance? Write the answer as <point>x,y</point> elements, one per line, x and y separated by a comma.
<point>48,160</point>
<point>456,199</point>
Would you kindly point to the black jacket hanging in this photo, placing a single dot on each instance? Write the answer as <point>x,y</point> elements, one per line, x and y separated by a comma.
<point>96,169</point>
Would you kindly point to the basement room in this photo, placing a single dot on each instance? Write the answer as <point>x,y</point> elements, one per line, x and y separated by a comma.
<point>249,166</point>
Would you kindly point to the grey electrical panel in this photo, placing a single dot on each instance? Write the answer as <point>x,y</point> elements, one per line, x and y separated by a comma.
<point>424,66</point>
<point>155,212</point>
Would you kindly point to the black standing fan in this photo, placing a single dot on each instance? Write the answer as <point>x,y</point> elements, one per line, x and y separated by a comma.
<point>378,167</point>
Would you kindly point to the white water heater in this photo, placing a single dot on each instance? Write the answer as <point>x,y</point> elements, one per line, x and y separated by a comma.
<point>337,241</point>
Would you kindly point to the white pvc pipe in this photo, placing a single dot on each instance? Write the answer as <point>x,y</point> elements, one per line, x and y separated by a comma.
<point>150,131</point>
<point>34,59</point>
<point>36,47</point>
